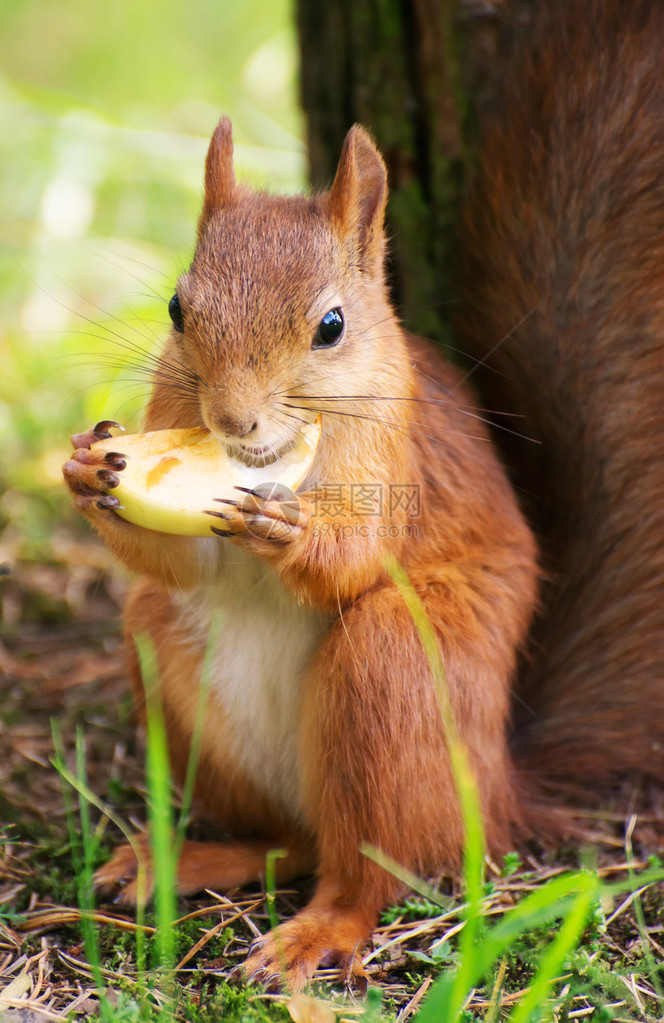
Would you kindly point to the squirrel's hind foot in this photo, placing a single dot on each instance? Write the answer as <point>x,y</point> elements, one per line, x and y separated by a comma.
<point>289,956</point>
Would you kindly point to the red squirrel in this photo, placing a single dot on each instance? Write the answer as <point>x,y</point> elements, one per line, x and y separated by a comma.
<point>323,729</point>
<point>563,246</point>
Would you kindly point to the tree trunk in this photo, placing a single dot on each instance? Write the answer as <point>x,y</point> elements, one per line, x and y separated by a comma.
<point>392,66</point>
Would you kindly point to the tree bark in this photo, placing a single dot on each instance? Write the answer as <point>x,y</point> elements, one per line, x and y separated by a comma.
<point>393,66</point>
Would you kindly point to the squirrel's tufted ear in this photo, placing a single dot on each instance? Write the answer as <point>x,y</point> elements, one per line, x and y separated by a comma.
<point>358,196</point>
<point>219,176</point>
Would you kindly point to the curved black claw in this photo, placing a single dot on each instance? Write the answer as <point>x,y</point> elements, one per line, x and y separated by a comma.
<point>221,532</point>
<point>268,492</point>
<point>108,502</point>
<point>108,478</point>
<point>273,984</point>
<point>115,460</point>
<point>257,944</point>
<point>219,515</point>
<point>102,429</point>
<point>98,432</point>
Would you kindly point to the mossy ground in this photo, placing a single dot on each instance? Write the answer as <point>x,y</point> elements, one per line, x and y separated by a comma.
<point>68,667</point>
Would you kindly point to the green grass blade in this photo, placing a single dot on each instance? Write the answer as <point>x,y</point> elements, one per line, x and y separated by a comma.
<point>270,898</point>
<point>271,883</point>
<point>654,968</point>
<point>161,829</point>
<point>474,841</point>
<point>553,901</point>
<point>563,897</point>
<point>82,788</point>
<point>406,876</point>
<point>197,734</point>
<point>83,847</point>
<point>61,767</point>
<point>533,1006</point>
<point>568,898</point>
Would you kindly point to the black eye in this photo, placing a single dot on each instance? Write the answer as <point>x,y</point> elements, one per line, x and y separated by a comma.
<point>175,313</point>
<point>330,329</point>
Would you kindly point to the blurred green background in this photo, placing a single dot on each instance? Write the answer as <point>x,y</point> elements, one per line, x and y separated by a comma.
<point>106,110</point>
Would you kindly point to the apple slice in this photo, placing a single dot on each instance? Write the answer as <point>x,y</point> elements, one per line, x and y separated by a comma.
<point>173,476</point>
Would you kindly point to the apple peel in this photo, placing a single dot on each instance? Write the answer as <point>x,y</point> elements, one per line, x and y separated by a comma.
<point>173,477</point>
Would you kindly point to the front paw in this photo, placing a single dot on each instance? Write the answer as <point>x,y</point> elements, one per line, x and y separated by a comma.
<point>90,476</point>
<point>271,513</point>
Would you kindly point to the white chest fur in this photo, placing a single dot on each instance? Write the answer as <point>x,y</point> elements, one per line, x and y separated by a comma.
<point>263,642</point>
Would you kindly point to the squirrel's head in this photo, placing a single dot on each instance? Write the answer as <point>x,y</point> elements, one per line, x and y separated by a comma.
<point>284,307</point>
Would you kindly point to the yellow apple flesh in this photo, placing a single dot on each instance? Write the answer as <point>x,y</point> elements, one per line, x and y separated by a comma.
<point>172,477</point>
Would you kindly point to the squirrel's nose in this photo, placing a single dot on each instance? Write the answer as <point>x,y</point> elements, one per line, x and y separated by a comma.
<point>236,425</point>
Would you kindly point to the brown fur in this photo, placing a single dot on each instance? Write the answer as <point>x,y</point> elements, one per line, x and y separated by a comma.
<point>564,241</point>
<point>372,762</point>
<point>563,253</point>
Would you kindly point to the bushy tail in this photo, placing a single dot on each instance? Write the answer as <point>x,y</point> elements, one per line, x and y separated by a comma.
<point>563,240</point>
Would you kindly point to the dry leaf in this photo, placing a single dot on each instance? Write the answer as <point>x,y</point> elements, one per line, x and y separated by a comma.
<point>15,990</point>
<point>305,1009</point>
